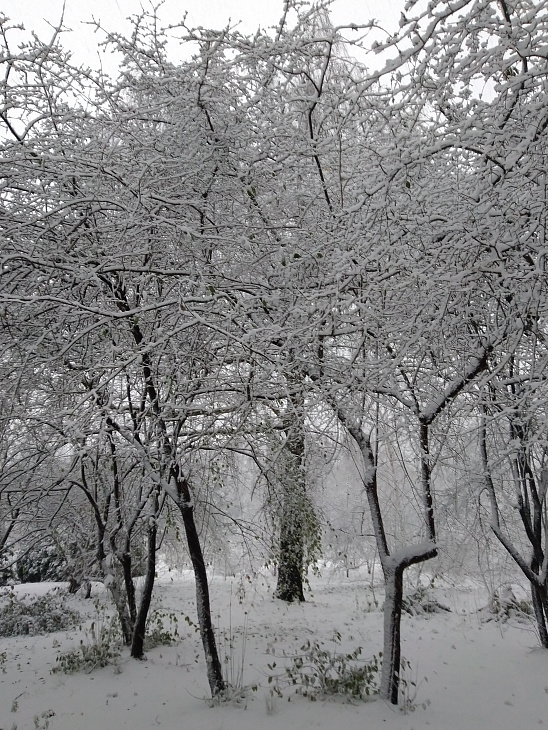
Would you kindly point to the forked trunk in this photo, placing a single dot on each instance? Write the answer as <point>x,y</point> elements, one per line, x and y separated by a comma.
<point>393,565</point>
<point>213,664</point>
<point>138,645</point>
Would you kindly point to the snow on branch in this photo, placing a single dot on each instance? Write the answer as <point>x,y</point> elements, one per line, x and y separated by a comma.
<point>410,555</point>
<point>476,365</point>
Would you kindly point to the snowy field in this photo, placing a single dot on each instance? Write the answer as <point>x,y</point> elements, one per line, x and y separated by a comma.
<point>469,674</point>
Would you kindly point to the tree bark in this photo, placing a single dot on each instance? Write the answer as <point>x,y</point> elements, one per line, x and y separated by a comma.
<point>391,659</point>
<point>121,607</point>
<point>138,644</point>
<point>213,664</point>
<point>183,499</point>
<point>533,526</point>
<point>540,614</point>
<point>295,508</point>
<point>126,563</point>
<point>289,585</point>
<point>393,566</point>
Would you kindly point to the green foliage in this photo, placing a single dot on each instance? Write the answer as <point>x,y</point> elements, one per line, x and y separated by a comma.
<point>42,563</point>
<point>39,615</point>
<point>7,572</point>
<point>100,647</point>
<point>319,673</point>
<point>297,534</point>
<point>408,688</point>
<point>161,630</point>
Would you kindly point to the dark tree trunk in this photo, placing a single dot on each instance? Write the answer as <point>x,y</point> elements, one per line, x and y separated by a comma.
<point>291,558</point>
<point>126,563</point>
<point>74,585</point>
<point>531,504</point>
<point>538,597</point>
<point>540,615</point>
<point>213,664</point>
<point>138,645</point>
<point>391,659</point>
<point>393,568</point>
<point>296,510</point>
<point>184,502</point>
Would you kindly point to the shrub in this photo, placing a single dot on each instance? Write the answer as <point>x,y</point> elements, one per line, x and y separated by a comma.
<point>38,615</point>
<point>504,605</point>
<point>318,673</point>
<point>42,563</point>
<point>421,602</point>
<point>7,572</point>
<point>100,647</point>
<point>161,630</point>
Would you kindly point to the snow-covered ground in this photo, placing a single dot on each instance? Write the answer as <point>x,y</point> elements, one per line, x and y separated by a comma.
<point>470,675</point>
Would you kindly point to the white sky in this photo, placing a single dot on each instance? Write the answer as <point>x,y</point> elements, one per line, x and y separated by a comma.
<point>113,14</point>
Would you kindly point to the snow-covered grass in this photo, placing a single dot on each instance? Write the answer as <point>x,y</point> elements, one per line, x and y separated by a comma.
<point>468,673</point>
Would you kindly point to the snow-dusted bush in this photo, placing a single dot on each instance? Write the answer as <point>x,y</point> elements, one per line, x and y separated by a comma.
<point>7,572</point>
<point>421,602</point>
<point>319,673</point>
<point>43,563</point>
<point>101,646</point>
<point>37,615</point>
<point>161,630</point>
<point>102,642</point>
<point>504,605</point>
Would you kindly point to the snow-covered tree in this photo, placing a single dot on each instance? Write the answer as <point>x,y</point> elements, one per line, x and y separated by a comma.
<point>198,256</point>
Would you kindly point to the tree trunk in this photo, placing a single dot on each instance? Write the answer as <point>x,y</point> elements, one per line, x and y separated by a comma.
<point>296,509</point>
<point>138,645</point>
<point>538,597</point>
<point>289,586</point>
<point>121,607</point>
<point>74,585</point>
<point>391,659</point>
<point>213,664</point>
<point>531,519</point>
<point>126,563</point>
<point>393,565</point>
<point>540,616</point>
